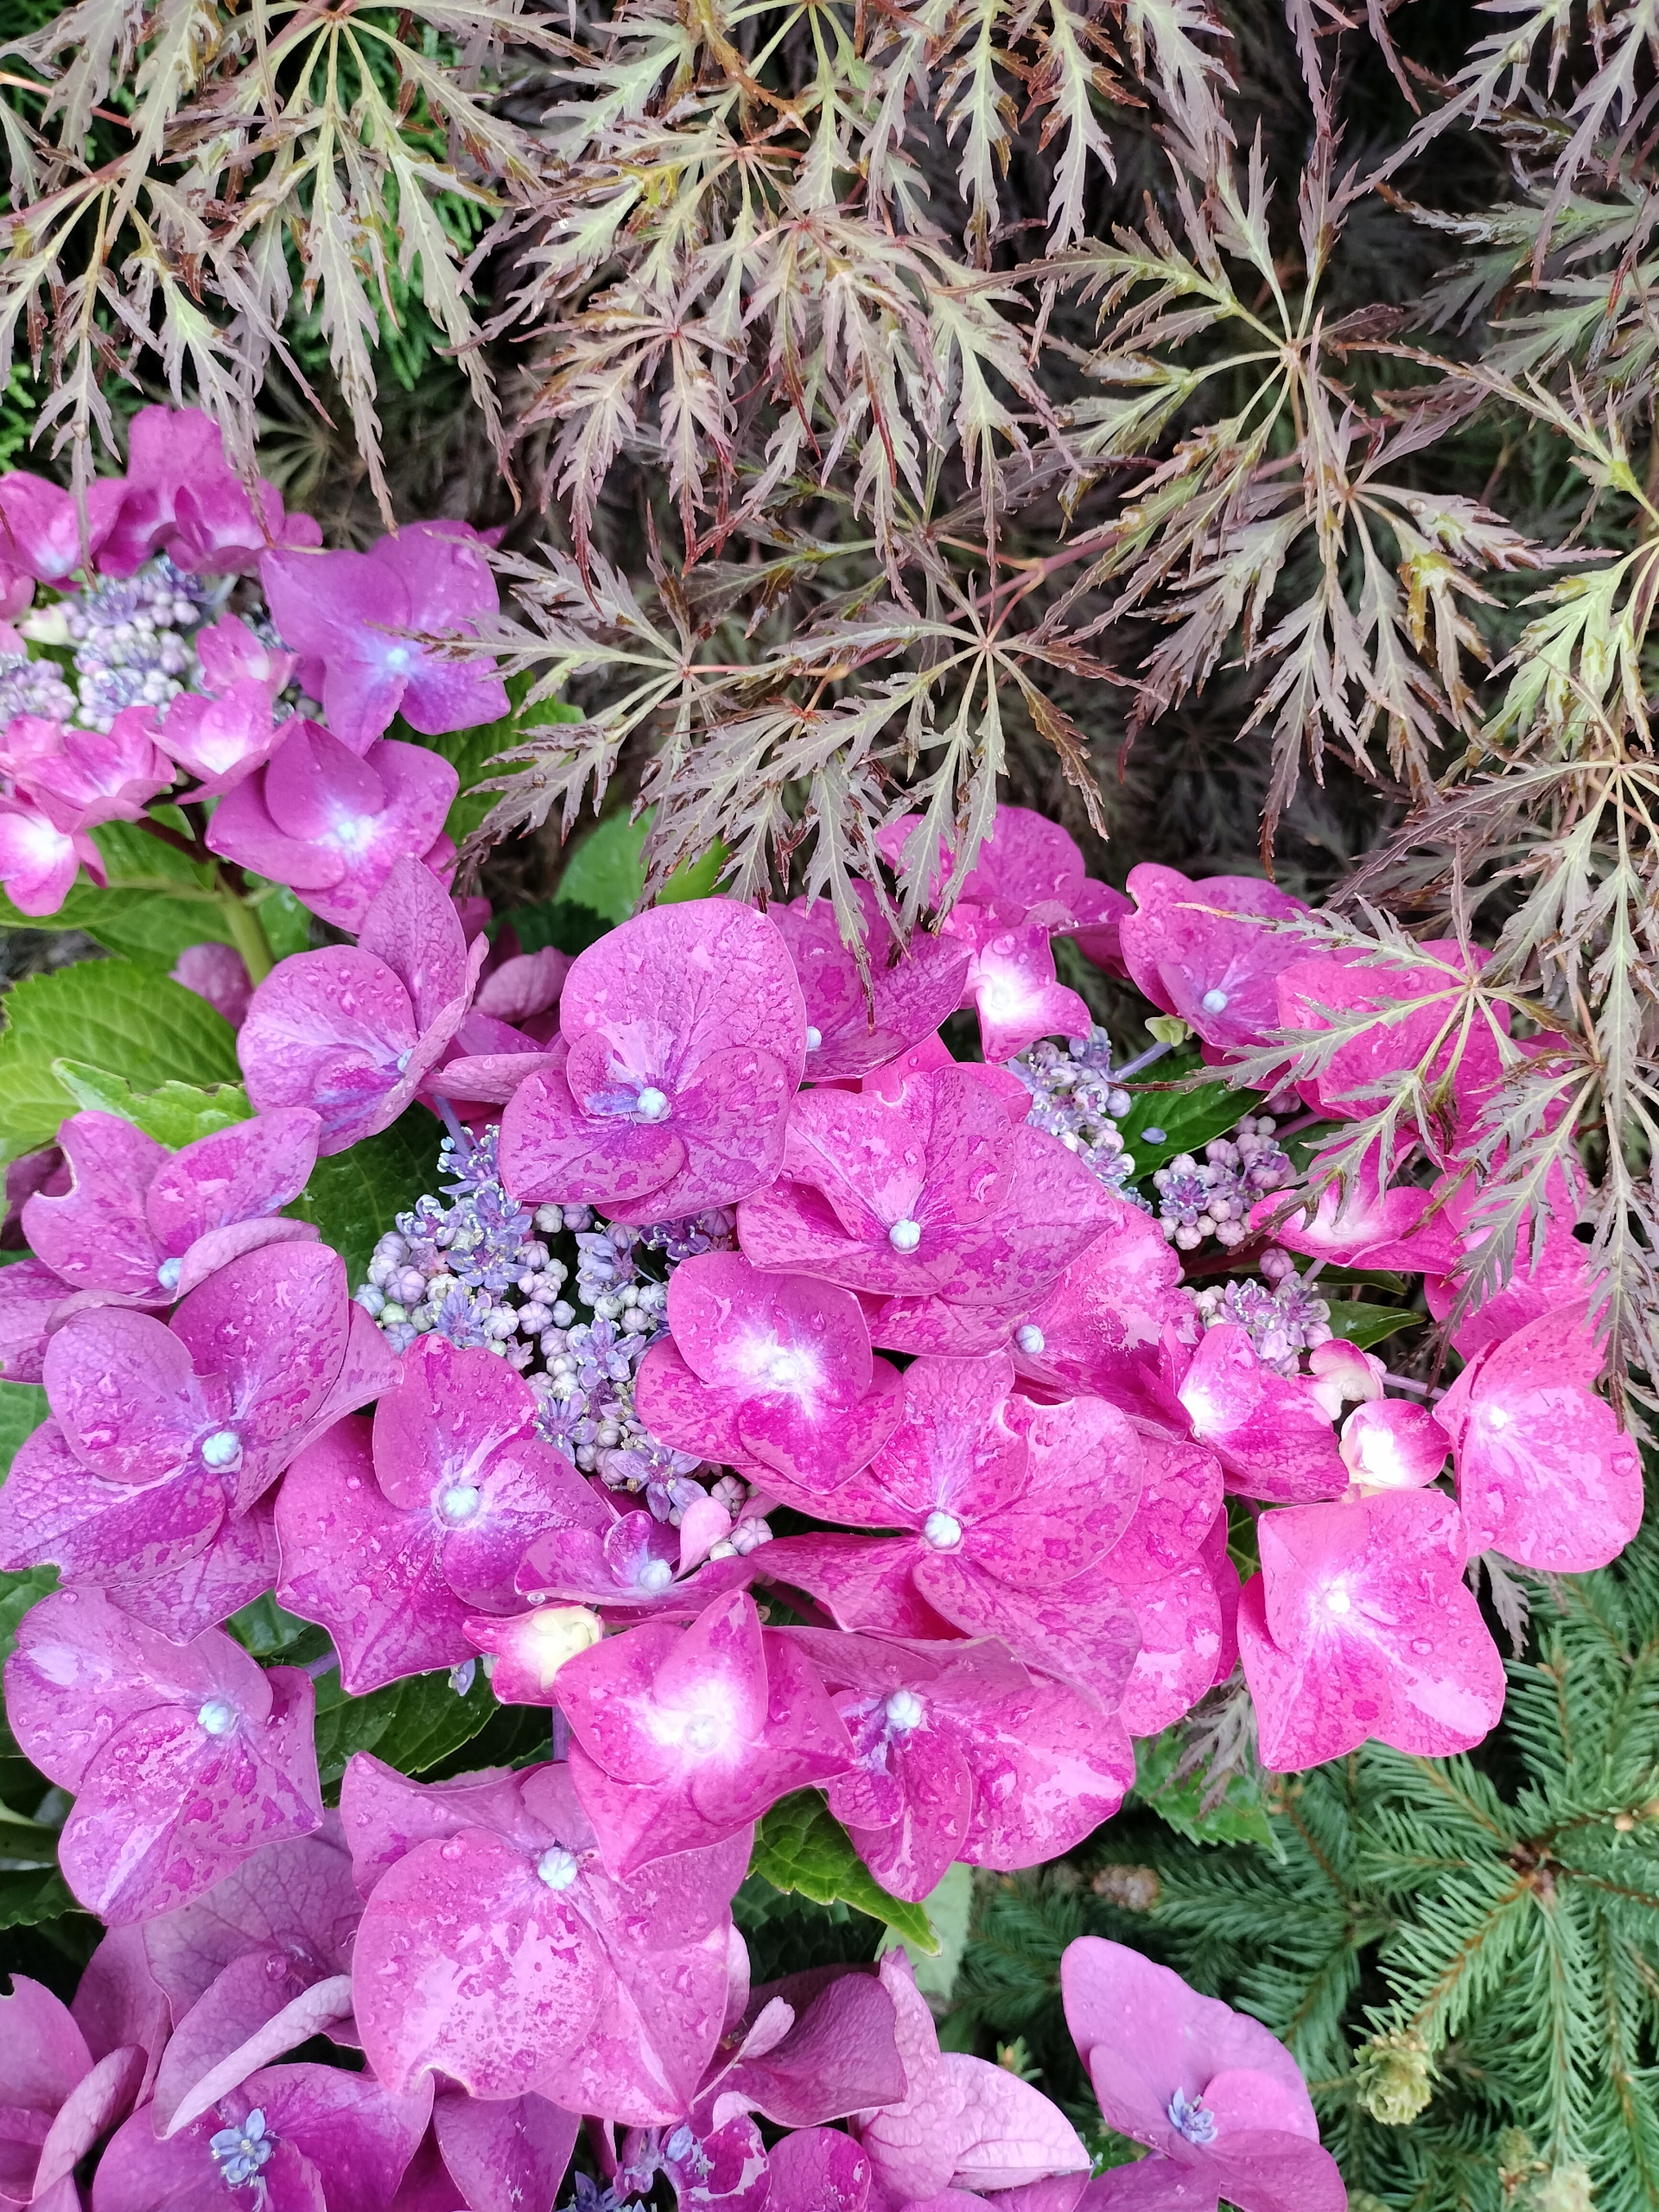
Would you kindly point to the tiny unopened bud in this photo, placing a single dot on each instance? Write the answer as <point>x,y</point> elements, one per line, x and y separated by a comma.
<point>1394,2076</point>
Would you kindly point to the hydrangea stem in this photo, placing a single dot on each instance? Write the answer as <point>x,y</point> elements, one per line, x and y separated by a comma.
<point>247,933</point>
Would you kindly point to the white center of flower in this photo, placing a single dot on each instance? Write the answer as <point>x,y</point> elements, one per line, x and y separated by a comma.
<point>169,1273</point>
<point>905,1236</point>
<point>904,1711</point>
<point>1030,1339</point>
<point>216,1717</point>
<point>222,1449</point>
<point>397,657</point>
<point>703,1731</point>
<point>1338,1601</point>
<point>656,1574</point>
<point>1214,1002</point>
<point>460,1502</point>
<point>942,1529</point>
<point>557,1867</point>
<point>814,1039</point>
<point>1496,1418</point>
<point>651,1104</point>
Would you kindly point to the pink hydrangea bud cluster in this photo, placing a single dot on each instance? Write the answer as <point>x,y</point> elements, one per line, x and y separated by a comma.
<point>770,1398</point>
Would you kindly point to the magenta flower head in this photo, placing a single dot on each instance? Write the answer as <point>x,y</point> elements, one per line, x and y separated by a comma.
<point>147,1481</point>
<point>1028,870</point>
<point>348,616</point>
<point>55,2101</point>
<point>937,1202</point>
<point>220,741</point>
<point>352,1030</point>
<point>962,2123</point>
<point>1270,1432</point>
<point>1008,1508</point>
<point>959,1753</point>
<point>771,1370</point>
<point>1101,1329</point>
<point>1209,951</point>
<point>1545,1474</point>
<point>391,1538</point>
<point>333,825</point>
<point>1422,1019</point>
<point>495,1948</point>
<point>149,1224</point>
<point>1544,1277</point>
<point>254,1967</point>
<point>1360,1625</point>
<point>78,777</point>
<point>1391,1444</point>
<point>295,2138</point>
<point>1209,2090</point>
<point>184,1759</point>
<point>182,496</point>
<point>1366,1224</point>
<point>38,860</point>
<point>637,1565</point>
<point>687,1037</point>
<point>229,653</point>
<point>40,524</point>
<point>684,1736</point>
<point>851,1030</point>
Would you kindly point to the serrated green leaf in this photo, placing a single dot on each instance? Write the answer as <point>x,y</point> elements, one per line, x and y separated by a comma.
<point>801,1846</point>
<point>157,902</point>
<point>1186,1120</point>
<point>472,752</point>
<point>558,922</point>
<point>33,1894</point>
<point>354,1197</point>
<point>108,1015</point>
<point>410,1724</point>
<point>175,1115</point>
<point>949,1910</point>
<point>23,1408</point>
<point>607,874</point>
<point>263,1630</point>
<point>1366,1326</point>
<point>1240,1817</point>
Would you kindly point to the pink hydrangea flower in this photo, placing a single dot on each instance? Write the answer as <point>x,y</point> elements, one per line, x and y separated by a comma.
<point>38,860</point>
<point>352,1030</point>
<point>184,1759</point>
<point>959,1754</point>
<point>935,1202</point>
<point>523,988</point>
<point>305,2135</point>
<point>1209,951</point>
<point>1391,1444</point>
<point>1008,1508</point>
<point>180,496</point>
<point>390,1538</point>
<point>636,1565</point>
<point>1402,1017</point>
<point>1219,2101</point>
<point>1360,1625</point>
<point>221,740</point>
<point>80,778</point>
<point>1102,1328</point>
<point>962,2123</point>
<point>1013,986</point>
<point>810,2048</point>
<point>229,654</point>
<point>770,1370</point>
<point>150,1225</point>
<point>1171,1568</point>
<point>1545,1474</point>
<point>148,1480</point>
<point>685,1736</point>
<point>1028,870</point>
<point>687,1038</point>
<point>40,523</point>
<point>333,825</point>
<point>251,1968</point>
<point>850,1030</point>
<point>493,2154</point>
<point>55,2101</point>
<point>347,615</point>
<point>219,974</point>
<point>495,1948</point>
<point>1270,1432</point>
<point>1365,1224</point>
<point>1545,1276</point>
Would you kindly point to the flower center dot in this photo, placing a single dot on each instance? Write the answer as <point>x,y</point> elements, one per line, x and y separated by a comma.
<point>656,1574</point>
<point>461,1502</point>
<point>904,1711</point>
<point>222,1449</point>
<point>169,1273</point>
<point>216,1717</point>
<point>1193,2121</point>
<point>557,1867</point>
<point>905,1236</point>
<point>1030,1339</point>
<point>1338,1601</point>
<point>703,1733</point>
<point>652,1104</point>
<point>1214,1002</point>
<point>814,1039</point>
<point>942,1530</point>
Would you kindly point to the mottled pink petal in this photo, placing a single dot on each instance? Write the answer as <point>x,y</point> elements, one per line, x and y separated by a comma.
<point>1272,1436</point>
<point>1393,1444</point>
<point>1209,951</point>
<point>1179,1619</point>
<point>30,1292</point>
<point>850,1030</point>
<point>506,2157</point>
<point>819,2170</point>
<point>1425,1018</point>
<point>98,1233</point>
<point>230,2035</point>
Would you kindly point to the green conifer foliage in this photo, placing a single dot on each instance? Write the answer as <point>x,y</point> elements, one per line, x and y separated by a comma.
<point>1462,1954</point>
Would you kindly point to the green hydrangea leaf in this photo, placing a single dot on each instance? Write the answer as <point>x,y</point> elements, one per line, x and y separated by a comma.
<point>157,901</point>
<point>1365,1325</point>
<point>1240,1816</point>
<point>31,1895</point>
<point>104,1013</point>
<point>175,1115</point>
<point>354,1197</point>
<point>1186,1120</point>
<point>23,1408</point>
<point>801,1846</point>
<point>410,1724</point>
<point>286,925</point>
<point>949,1910</point>
<point>607,874</point>
<point>558,922</point>
<point>472,753</point>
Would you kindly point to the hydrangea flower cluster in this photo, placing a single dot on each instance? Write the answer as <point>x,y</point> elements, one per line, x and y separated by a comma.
<point>768,1398</point>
